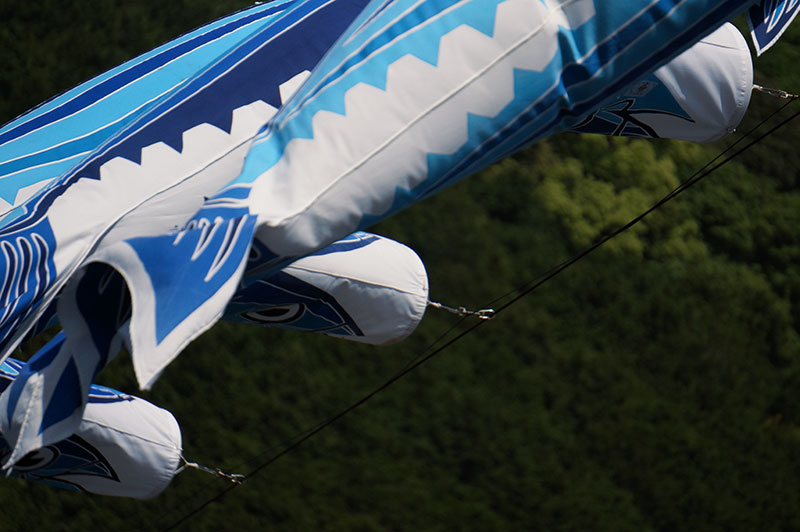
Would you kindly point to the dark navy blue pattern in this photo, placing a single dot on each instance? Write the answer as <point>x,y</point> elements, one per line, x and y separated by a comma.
<point>29,270</point>
<point>130,75</point>
<point>319,311</point>
<point>252,72</point>
<point>769,19</point>
<point>73,457</point>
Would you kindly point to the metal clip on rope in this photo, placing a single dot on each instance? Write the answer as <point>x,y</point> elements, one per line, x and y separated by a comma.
<point>483,314</point>
<point>236,478</point>
<point>777,93</point>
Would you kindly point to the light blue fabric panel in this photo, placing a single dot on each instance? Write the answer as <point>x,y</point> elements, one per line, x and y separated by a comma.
<point>47,141</point>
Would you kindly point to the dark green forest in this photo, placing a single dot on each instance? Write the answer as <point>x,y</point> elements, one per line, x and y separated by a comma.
<point>653,386</point>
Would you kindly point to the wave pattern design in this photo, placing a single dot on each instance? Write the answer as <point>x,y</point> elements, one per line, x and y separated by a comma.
<point>26,260</point>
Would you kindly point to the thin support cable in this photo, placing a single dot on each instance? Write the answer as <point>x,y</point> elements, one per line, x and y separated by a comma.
<point>681,188</point>
<point>685,184</point>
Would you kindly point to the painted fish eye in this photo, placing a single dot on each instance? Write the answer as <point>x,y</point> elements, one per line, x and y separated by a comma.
<point>38,459</point>
<point>278,314</point>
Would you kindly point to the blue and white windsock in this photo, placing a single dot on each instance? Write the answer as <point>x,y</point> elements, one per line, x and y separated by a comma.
<point>364,288</point>
<point>415,95</point>
<point>700,96</point>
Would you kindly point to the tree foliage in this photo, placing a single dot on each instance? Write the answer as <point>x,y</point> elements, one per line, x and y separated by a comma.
<point>653,386</point>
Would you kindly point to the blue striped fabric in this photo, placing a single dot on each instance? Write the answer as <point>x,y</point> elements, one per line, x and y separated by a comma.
<point>47,141</point>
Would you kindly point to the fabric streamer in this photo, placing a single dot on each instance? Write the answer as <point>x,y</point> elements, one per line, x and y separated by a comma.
<point>47,141</point>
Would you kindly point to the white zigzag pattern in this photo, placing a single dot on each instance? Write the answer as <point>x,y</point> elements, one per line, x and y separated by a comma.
<point>384,137</point>
<point>166,188</point>
<point>125,187</point>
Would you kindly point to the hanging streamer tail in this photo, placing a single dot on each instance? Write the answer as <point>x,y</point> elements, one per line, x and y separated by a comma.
<point>122,446</point>
<point>768,20</point>
<point>179,285</point>
<point>46,402</point>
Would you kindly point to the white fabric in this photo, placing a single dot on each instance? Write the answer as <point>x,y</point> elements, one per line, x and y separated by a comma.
<point>712,82</point>
<point>382,286</point>
<point>141,441</point>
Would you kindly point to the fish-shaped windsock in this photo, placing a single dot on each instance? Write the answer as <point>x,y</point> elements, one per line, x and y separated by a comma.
<point>364,287</point>
<point>363,137</point>
<point>414,95</point>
